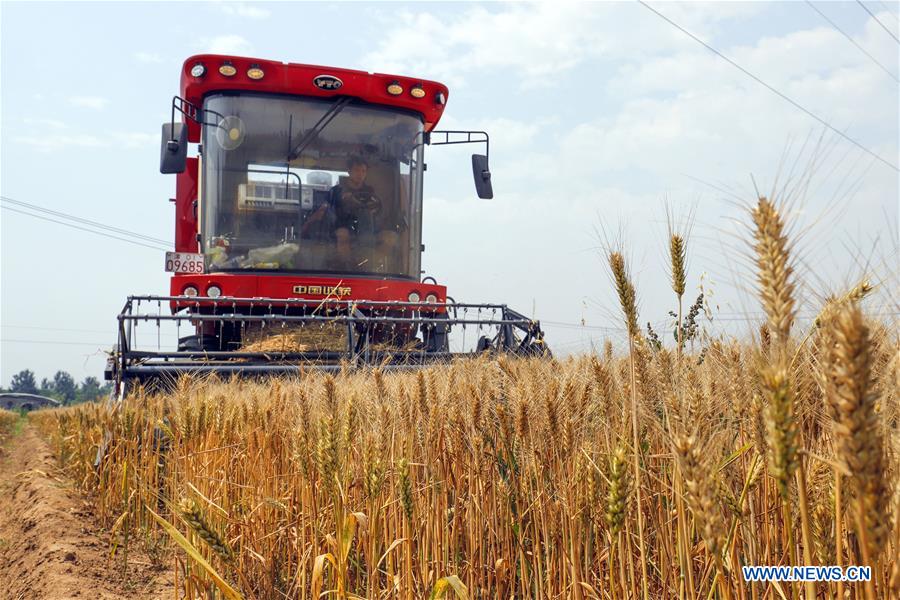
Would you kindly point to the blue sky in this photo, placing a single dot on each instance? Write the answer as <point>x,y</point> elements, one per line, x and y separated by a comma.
<point>598,113</point>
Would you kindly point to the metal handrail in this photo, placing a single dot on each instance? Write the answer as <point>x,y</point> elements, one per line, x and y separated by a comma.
<point>332,319</point>
<point>196,300</point>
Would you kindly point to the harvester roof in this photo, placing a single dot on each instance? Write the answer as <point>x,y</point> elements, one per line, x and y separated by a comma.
<point>427,98</point>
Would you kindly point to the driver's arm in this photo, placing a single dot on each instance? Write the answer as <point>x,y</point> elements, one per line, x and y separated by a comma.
<point>315,217</point>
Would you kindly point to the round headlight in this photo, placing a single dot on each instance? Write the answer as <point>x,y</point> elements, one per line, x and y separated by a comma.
<point>417,91</point>
<point>414,297</point>
<point>198,70</point>
<point>213,291</point>
<point>254,72</point>
<point>191,291</point>
<point>431,298</point>
<point>227,69</point>
<point>395,89</point>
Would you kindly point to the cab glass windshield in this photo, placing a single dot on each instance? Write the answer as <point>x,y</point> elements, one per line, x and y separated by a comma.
<point>308,185</point>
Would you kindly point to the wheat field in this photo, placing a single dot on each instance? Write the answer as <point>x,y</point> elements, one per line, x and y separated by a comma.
<point>643,471</point>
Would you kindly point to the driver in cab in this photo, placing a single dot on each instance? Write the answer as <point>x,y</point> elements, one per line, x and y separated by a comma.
<point>356,207</point>
<point>358,214</point>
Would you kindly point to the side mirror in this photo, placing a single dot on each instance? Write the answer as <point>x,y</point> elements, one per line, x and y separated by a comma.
<point>482,174</point>
<point>173,150</point>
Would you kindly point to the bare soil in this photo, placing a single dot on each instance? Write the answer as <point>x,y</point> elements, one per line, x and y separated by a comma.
<point>51,543</point>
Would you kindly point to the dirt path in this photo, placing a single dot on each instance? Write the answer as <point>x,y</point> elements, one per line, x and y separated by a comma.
<point>51,545</point>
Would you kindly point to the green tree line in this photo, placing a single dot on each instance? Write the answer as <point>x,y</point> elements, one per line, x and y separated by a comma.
<point>62,387</point>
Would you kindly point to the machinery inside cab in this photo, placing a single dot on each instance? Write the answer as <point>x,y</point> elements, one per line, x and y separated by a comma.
<point>283,191</point>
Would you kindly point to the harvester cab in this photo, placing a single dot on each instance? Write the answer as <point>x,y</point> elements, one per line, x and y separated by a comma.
<point>298,228</point>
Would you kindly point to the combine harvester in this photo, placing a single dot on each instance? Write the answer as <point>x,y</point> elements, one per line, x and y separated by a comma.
<point>300,221</point>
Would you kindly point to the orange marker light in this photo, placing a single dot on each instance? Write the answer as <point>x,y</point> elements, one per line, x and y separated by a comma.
<point>254,72</point>
<point>395,89</point>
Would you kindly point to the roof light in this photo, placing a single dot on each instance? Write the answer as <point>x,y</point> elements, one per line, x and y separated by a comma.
<point>198,70</point>
<point>227,69</point>
<point>254,72</point>
<point>417,91</point>
<point>440,98</point>
<point>395,89</point>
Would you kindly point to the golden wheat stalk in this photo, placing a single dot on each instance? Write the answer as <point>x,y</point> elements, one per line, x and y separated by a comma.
<point>775,274</point>
<point>628,303</point>
<point>850,391</point>
<point>193,516</point>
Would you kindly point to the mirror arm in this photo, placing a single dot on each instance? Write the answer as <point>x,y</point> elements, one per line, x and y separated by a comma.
<point>192,112</point>
<point>480,162</point>
<point>469,139</point>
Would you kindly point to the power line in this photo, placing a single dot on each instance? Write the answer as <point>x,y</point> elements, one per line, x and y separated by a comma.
<point>886,7</point>
<point>769,87</point>
<point>877,20</point>
<point>4,325</point>
<point>85,221</point>
<point>82,228</point>
<point>35,327</point>
<point>854,42</point>
<point>5,340</point>
<point>580,326</point>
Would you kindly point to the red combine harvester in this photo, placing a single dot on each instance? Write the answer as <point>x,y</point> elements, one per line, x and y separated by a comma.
<point>303,210</point>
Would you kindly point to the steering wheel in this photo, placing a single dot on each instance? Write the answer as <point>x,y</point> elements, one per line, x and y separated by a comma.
<point>370,202</point>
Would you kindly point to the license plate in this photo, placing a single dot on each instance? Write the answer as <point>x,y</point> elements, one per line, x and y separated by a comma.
<point>184,262</point>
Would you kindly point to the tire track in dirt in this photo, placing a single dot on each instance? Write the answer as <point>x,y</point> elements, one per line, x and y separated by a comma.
<point>51,544</point>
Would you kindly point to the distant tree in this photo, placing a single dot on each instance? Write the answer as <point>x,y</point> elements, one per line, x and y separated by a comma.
<point>49,390</point>
<point>24,382</point>
<point>64,385</point>
<point>89,389</point>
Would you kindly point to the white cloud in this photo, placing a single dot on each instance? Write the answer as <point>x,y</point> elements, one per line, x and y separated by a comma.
<point>693,99</point>
<point>506,135</point>
<point>226,44</point>
<point>94,102</point>
<point>676,120</point>
<point>241,9</point>
<point>148,57</point>
<point>56,137</point>
<point>55,142</point>
<point>39,121</point>
<point>136,139</point>
<point>537,41</point>
<point>681,109</point>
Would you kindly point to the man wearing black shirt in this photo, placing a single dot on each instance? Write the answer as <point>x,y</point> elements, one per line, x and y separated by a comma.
<point>356,207</point>
<point>361,217</point>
